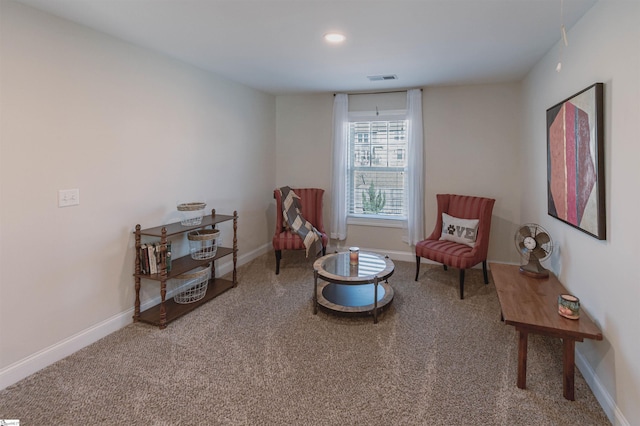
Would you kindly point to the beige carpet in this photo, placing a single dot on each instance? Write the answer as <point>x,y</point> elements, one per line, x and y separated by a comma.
<point>258,356</point>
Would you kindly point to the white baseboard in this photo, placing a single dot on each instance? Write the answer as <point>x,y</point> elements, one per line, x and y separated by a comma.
<point>41,359</point>
<point>402,256</point>
<point>604,398</point>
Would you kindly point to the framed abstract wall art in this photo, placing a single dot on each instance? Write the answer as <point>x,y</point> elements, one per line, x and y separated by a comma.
<point>575,161</point>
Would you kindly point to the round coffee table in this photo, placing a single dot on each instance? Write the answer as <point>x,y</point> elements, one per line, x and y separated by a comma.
<point>352,289</point>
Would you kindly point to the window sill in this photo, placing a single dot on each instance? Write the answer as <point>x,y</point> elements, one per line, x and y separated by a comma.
<point>379,221</point>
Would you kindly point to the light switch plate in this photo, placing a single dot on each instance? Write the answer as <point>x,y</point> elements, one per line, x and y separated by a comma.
<point>68,197</point>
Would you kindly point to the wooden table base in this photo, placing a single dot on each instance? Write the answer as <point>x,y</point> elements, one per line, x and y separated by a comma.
<point>522,358</point>
<point>568,364</point>
<point>568,368</point>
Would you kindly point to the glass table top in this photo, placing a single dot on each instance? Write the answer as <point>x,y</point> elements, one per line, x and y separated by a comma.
<point>336,267</point>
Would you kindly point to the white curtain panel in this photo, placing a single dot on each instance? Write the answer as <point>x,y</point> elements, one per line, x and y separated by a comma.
<point>338,228</point>
<point>414,227</point>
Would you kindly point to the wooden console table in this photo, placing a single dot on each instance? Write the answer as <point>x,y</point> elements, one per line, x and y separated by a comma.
<point>531,305</point>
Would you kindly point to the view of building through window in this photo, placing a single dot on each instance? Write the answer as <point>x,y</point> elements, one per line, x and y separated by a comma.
<point>377,165</point>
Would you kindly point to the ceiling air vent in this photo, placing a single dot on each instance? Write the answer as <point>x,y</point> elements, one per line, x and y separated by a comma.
<point>382,77</point>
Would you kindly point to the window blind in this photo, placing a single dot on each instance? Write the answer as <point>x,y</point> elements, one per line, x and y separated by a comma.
<point>377,168</point>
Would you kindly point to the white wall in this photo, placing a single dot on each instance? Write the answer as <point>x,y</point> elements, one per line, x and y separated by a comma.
<point>135,132</point>
<point>604,46</point>
<point>303,148</point>
<point>471,143</point>
<point>471,148</point>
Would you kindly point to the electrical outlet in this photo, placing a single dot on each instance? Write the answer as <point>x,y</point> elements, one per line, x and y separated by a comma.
<point>68,197</point>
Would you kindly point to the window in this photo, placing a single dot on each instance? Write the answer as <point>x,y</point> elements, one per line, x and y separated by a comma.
<point>379,155</point>
<point>376,180</point>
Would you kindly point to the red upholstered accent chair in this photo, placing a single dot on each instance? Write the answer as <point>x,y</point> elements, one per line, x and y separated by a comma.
<point>454,254</point>
<point>284,239</point>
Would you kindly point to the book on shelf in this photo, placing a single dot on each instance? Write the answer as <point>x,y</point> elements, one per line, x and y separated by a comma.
<point>151,257</point>
<point>144,258</point>
<point>153,263</point>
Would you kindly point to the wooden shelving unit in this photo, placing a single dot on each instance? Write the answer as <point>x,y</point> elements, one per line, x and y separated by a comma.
<point>168,310</point>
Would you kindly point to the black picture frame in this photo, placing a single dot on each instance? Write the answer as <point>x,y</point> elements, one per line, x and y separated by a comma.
<point>575,161</point>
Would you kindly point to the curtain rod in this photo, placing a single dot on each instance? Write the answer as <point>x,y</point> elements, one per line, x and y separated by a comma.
<point>377,93</point>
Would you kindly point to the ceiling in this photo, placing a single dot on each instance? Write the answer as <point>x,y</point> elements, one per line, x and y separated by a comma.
<point>277,45</point>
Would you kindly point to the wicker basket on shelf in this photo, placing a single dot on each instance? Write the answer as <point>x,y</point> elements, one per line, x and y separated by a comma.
<point>192,285</point>
<point>203,243</point>
<point>191,213</point>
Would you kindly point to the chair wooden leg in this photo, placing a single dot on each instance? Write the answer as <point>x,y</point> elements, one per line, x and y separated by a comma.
<point>484,271</point>
<point>461,284</point>
<point>278,257</point>
<point>417,266</point>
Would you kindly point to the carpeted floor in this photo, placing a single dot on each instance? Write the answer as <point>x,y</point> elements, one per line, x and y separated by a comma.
<point>258,356</point>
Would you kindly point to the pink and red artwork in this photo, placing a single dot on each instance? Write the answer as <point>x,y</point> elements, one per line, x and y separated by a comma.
<point>575,166</point>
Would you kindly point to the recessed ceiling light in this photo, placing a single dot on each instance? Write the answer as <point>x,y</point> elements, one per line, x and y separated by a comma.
<point>334,38</point>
